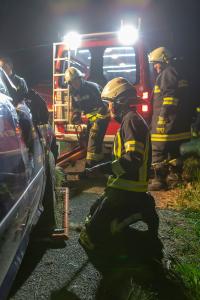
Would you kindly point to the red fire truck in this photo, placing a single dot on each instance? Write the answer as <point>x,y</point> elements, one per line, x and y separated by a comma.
<point>100,57</point>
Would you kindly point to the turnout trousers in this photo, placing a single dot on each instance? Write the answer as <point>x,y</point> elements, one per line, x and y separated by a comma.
<point>96,132</point>
<point>113,207</point>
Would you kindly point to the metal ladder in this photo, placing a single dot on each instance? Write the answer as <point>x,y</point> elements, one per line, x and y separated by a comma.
<point>62,102</point>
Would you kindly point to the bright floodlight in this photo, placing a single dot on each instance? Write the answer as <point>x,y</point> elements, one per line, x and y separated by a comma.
<point>73,40</point>
<point>128,35</point>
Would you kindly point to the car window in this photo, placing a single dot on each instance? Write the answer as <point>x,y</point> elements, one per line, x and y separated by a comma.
<point>3,88</point>
<point>12,172</point>
<point>120,62</point>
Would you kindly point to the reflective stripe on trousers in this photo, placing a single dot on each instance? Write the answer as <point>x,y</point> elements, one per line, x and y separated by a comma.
<point>155,137</point>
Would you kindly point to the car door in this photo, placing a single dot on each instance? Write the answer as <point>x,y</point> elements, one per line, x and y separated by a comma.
<point>13,185</point>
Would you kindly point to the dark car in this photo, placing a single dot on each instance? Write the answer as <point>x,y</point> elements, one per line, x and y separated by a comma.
<point>26,181</point>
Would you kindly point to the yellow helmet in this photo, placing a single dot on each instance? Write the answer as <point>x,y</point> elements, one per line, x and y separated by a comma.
<point>160,54</point>
<point>116,88</point>
<point>72,73</point>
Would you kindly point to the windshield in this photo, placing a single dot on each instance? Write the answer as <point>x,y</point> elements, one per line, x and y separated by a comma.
<point>119,62</point>
<point>101,64</point>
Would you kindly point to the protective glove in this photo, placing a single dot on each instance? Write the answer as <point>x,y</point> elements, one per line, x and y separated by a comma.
<point>76,119</point>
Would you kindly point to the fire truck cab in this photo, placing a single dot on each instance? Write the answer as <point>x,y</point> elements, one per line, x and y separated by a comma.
<point>100,57</point>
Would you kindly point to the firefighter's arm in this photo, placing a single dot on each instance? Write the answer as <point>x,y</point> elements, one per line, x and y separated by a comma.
<point>76,113</point>
<point>101,110</point>
<point>132,158</point>
<point>168,87</point>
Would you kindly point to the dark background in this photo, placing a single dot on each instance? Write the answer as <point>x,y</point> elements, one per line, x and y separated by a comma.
<point>28,28</point>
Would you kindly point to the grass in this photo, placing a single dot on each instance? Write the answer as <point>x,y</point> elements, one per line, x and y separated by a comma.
<point>186,233</point>
<point>60,177</point>
<point>191,169</point>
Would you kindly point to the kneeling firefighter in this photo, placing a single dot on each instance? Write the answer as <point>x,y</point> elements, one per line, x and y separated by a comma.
<point>171,120</point>
<point>86,98</point>
<point>125,199</point>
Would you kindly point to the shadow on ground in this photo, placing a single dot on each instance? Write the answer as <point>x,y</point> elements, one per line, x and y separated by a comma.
<point>63,293</point>
<point>35,251</point>
<point>127,286</point>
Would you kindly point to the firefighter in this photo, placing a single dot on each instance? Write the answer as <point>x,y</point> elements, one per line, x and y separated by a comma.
<point>86,98</point>
<point>125,199</point>
<point>19,82</point>
<point>171,117</point>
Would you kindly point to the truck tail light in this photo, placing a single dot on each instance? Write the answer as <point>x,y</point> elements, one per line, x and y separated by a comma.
<point>145,108</point>
<point>145,95</point>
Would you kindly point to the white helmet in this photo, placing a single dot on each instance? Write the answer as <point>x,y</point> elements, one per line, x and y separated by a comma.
<point>116,88</point>
<point>72,73</point>
<point>161,54</point>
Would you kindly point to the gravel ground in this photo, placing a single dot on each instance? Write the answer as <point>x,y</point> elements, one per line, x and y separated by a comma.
<point>63,271</point>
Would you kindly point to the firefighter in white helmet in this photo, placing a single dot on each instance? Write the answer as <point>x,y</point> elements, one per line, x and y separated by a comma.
<point>125,199</point>
<point>86,98</point>
<point>171,117</point>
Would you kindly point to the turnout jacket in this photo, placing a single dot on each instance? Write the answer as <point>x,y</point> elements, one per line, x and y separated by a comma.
<point>87,99</point>
<point>131,155</point>
<point>171,107</point>
<point>22,89</point>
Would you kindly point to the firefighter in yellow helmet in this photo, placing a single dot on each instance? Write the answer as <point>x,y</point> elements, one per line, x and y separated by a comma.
<point>125,199</point>
<point>171,117</point>
<point>86,98</point>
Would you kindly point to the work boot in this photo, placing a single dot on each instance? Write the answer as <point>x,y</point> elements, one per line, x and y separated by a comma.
<point>159,181</point>
<point>157,184</point>
<point>174,177</point>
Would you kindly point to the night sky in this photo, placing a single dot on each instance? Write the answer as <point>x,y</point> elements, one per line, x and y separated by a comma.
<point>28,28</point>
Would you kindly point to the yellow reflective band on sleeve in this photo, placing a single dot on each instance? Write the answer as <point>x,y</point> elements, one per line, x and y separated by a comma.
<point>198,109</point>
<point>94,156</point>
<point>117,168</point>
<point>170,101</point>
<point>156,89</point>
<point>127,185</point>
<point>134,145</point>
<point>182,83</point>
<point>170,137</point>
<point>117,148</point>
